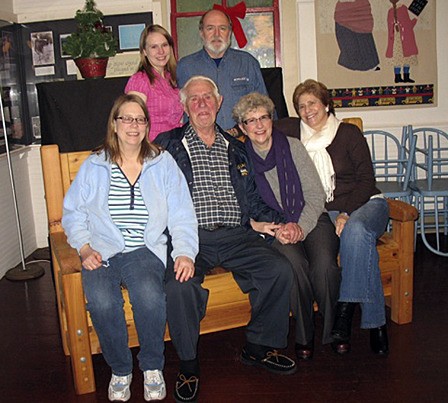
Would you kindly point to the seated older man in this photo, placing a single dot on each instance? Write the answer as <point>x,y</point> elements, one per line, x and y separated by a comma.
<point>225,198</point>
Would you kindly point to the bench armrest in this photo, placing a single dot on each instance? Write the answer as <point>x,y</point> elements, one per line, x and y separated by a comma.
<point>66,256</point>
<point>401,211</point>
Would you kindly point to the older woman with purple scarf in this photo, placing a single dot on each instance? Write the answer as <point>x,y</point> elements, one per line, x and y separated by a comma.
<point>288,182</point>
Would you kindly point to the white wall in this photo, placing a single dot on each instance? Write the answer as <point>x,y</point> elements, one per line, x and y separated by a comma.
<point>24,11</point>
<point>29,191</point>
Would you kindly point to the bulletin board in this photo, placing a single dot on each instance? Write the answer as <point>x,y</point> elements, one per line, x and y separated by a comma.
<point>42,52</point>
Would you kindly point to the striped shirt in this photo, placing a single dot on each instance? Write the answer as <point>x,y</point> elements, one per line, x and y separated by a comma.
<point>127,209</point>
<point>213,194</point>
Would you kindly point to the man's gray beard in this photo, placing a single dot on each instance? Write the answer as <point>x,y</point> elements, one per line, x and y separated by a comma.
<point>215,51</point>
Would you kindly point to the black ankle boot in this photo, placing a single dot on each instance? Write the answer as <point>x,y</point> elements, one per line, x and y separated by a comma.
<point>398,78</point>
<point>379,342</point>
<point>342,327</point>
<point>407,79</point>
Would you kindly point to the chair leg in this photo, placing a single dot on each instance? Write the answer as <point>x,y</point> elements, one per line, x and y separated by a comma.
<point>416,224</point>
<point>437,249</point>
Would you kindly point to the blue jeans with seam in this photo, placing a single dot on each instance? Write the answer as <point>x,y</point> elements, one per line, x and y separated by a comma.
<point>142,273</point>
<point>361,276</point>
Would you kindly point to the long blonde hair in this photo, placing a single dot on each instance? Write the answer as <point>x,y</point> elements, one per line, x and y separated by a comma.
<point>111,146</point>
<point>146,66</point>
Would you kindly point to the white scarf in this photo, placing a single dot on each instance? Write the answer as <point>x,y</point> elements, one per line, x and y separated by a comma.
<point>316,143</point>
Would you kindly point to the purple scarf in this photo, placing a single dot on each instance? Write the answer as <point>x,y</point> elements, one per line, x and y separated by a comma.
<point>279,156</point>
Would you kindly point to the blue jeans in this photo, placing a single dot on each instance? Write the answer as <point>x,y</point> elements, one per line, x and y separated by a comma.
<point>142,273</point>
<point>361,277</point>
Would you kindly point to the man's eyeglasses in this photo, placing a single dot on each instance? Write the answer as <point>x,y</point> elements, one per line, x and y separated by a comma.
<point>254,121</point>
<point>127,120</point>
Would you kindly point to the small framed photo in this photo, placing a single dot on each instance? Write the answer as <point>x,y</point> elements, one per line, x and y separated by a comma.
<point>42,48</point>
<point>129,36</point>
<point>62,39</point>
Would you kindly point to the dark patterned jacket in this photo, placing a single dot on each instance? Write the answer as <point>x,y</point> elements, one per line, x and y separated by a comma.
<point>241,174</point>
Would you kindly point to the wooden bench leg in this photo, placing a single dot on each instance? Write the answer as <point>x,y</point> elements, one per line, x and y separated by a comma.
<point>60,304</point>
<point>78,334</point>
<point>405,232</point>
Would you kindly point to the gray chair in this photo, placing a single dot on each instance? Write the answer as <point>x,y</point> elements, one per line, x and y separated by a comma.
<point>429,182</point>
<point>392,163</point>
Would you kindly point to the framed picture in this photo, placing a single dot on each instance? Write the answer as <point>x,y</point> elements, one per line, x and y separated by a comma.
<point>129,36</point>
<point>62,39</point>
<point>360,56</point>
<point>42,48</point>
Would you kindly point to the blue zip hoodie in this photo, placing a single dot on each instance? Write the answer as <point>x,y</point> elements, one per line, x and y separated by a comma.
<point>86,217</point>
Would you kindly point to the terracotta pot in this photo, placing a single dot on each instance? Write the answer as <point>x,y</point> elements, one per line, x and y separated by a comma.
<point>92,67</point>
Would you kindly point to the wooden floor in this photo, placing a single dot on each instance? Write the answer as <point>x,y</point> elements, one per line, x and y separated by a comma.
<point>34,369</point>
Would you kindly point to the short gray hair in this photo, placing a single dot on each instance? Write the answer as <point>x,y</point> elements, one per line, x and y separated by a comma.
<point>183,91</point>
<point>251,102</point>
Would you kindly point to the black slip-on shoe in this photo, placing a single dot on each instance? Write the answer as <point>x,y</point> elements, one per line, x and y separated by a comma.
<point>272,361</point>
<point>186,388</point>
<point>341,347</point>
<point>305,351</point>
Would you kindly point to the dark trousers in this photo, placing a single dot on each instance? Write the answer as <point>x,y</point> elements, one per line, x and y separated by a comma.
<point>316,278</point>
<point>258,269</point>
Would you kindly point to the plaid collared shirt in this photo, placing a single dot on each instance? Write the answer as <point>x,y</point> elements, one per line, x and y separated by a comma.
<point>213,195</point>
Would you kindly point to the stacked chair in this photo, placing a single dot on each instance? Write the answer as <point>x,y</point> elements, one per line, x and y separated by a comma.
<point>429,184</point>
<point>392,162</point>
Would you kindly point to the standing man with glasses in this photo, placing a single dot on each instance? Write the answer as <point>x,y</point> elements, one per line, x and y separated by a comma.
<point>225,199</point>
<point>235,72</point>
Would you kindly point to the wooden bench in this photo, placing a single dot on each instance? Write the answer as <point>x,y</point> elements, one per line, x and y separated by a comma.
<point>227,307</point>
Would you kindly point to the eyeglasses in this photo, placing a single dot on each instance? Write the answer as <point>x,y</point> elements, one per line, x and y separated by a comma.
<point>254,121</point>
<point>127,120</point>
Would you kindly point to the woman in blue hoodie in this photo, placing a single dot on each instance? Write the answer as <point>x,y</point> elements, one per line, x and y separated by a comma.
<point>115,214</point>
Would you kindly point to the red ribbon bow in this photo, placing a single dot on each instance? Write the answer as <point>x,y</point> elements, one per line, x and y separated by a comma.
<point>235,12</point>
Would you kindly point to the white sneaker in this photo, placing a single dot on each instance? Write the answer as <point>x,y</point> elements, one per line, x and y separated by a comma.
<point>154,385</point>
<point>119,388</point>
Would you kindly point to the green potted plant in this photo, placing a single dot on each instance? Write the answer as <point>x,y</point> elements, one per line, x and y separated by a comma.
<point>92,44</point>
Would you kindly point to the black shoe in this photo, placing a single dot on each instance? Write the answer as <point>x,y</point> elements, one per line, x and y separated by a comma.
<point>305,351</point>
<point>379,343</point>
<point>187,388</point>
<point>341,347</point>
<point>272,361</point>
<point>342,328</point>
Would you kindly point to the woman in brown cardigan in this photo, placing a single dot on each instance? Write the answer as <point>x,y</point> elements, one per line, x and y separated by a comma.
<point>359,211</point>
